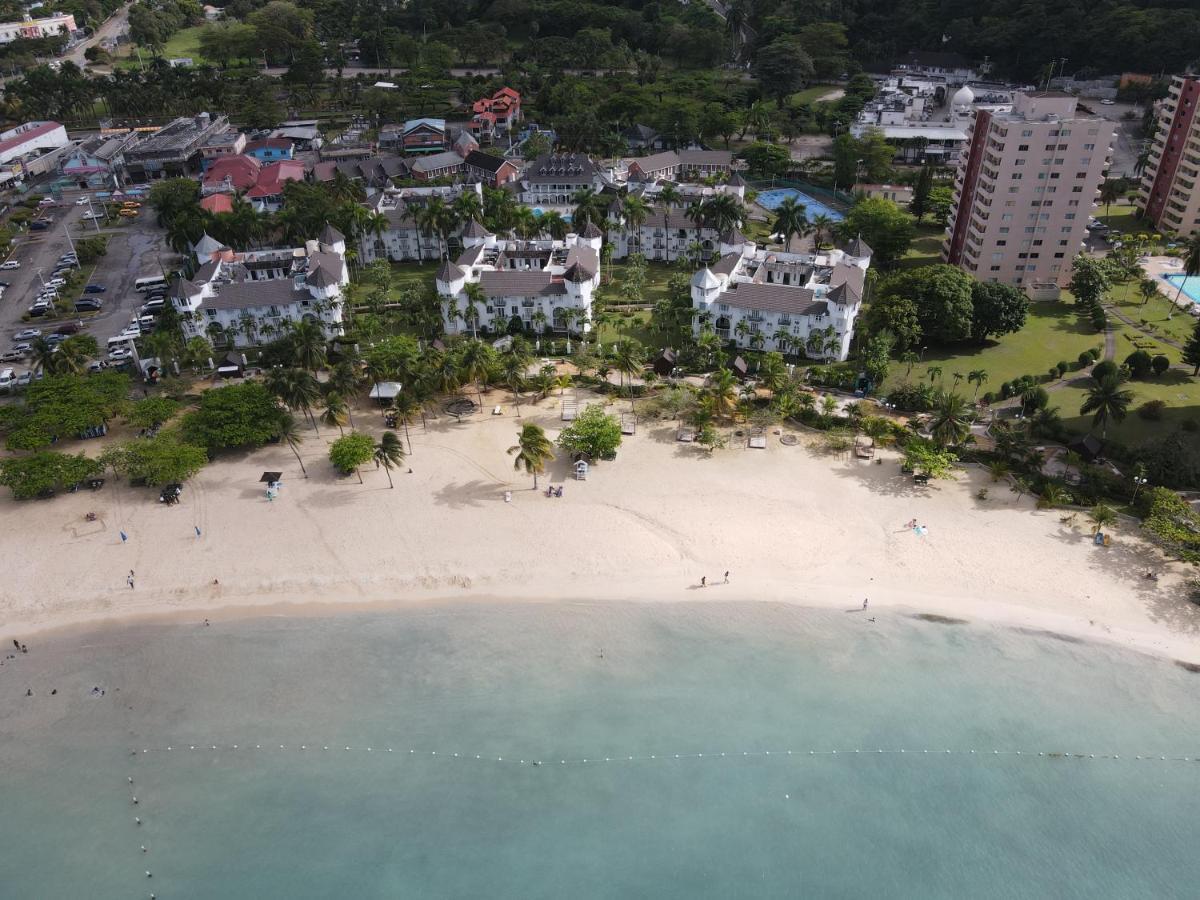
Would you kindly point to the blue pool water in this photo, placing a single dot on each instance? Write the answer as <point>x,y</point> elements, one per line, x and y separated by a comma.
<point>1191,285</point>
<point>603,696</point>
<point>812,207</point>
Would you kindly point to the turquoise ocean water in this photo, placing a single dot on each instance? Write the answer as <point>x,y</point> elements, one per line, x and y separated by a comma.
<point>588,681</point>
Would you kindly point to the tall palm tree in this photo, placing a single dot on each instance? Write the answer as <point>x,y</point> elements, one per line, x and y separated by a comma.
<point>513,366</point>
<point>1110,193</point>
<point>389,452</point>
<point>308,345</point>
<point>554,224</point>
<point>532,450</point>
<point>782,338</point>
<point>475,363</point>
<point>977,377</point>
<point>668,196</point>
<point>635,210</point>
<point>724,212</point>
<point>589,207</point>
<point>1106,400</point>
<point>45,357</point>
<point>289,432</point>
<point>1191,267</point>
<point>335,411</point>
<point>470,312</point>
<point>437,218</point>
<point>526,224</point>
<point>303,392</point>
<point>468,207</point>
<point>950,422</point>
<point>405,407</point>
<point>1147,287</point>
<point>628,357</point>
<point>790,219</point>
<point>822,228</point>
<point>344,380</point>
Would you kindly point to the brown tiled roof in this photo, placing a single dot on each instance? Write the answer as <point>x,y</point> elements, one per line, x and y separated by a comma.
<point>705,157</point>
<point>247,294</point>
<point>726,264</point>
<point>775,298</point>
<point>485,161</point>
<point>520,284</point>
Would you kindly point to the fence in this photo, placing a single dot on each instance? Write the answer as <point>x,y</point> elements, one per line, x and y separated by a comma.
<point>838,199</point>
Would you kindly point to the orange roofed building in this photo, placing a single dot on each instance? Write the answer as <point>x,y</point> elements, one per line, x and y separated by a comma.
<point>497,113</point>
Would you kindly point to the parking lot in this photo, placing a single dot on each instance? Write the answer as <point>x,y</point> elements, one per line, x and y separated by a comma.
<point>135,248</point>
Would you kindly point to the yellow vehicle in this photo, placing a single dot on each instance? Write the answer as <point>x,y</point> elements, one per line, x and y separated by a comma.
<point>131,204</point>
<point>128,213</point>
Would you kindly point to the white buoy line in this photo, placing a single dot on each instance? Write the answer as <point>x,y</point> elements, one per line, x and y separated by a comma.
<point>320,749</point>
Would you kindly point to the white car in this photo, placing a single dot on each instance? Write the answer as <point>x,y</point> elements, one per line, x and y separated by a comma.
<point>56,283</point>
<point>11,264</point>
<point>27,334</point>
<point>88,216</point>
<point>82,201</point>
<point>7,377</point>
<point>120,353</point>
<point>1107,103</point>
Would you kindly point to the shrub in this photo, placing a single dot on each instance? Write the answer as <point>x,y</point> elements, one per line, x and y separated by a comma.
<point>1095,353</point>
<point>594,432</point>
<point>1063,367</point>
<point>1085,359</point>
<point>350,451</point>
<point>911,397</point>
<point>1105,369</point>
<point>1160,364</point>
<point>1152,410</point>
<point>1140,363</point>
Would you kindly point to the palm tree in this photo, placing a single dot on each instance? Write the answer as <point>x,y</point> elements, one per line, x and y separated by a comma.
<point>475,363</point>
<point>668,196</point>
<point>951,422</point>
<point>303,391</point>
<point>344,380</point>
<point>695,213</point>
<point>513,366</point>
<point>724,212</point>
<point>1101,516</point>
<point>934,373</point>
<point>1053,495</point>
<point>1106,400</point>
<point>437,218</point>
<point>389,452</point>
<point>1191,267</point>
<point>722,389</point>
<point>790,219</point>
<point>335,411</point>
<point>308,345</point>
<point>289,432</point>
<point>741,329</point>
<point>525,224</point>
<point>635,210</point>
<point>782,338</point>
<point>589,207</point>
<point>554,224</point>
<point>822,227</point>
<point>468,207</point>
<point>629,358</point>
<point>1110,192</point>
<point>1147,287</point>
<point>977,377</point>
<point>533,450</point>
<point>405,407</point>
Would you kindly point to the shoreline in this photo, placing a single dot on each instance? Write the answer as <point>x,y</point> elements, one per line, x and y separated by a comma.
<point>939,611</point>
<point>792,524</point>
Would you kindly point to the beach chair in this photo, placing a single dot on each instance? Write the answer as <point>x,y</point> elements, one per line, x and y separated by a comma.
<point>757,439</point>
<point>570,410</point>
<point>686,435</point>
<point>628,423</point>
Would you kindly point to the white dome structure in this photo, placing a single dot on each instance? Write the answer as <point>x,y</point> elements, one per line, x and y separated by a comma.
<point>962,99</point>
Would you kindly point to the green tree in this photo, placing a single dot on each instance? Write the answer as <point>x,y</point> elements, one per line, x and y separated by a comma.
<point>335,411</point>
<point>162,459</point>
<point>30,475</point>
<point>924,457</point>
<point>1102,516</point>
<point>782,67</point>
<point>288,431</point>
<point>389,453</point>
<point>877,357</point>
<point>238,415</point>
<point>766,160</point>
<point>924,184</point>
<point>950,422</point>
<point>883,225</point>
<point>1106,400</point>
<point>941,296</point>
<point>1191,350</point>
<point>151,412</point>
<point>997,309</point>
<point>532,450</point>
<point>350,451</point>
<point>593,432</point>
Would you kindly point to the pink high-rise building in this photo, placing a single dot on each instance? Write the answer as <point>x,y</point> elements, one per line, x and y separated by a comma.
<point>1169,195</point>
<point>1025,189</point>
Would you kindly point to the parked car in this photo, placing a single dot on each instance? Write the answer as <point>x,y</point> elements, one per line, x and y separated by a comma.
<point>24,379</point>
<point>39,226</point>
<point>68,258</point>
<point>7,377</point>
<point>11,264</point>
<point>87,304</point>
<point>95,289</point>
<point>97,366</point>
<point>23,348</point>
<point>119,353</point>
<point>83,201</point>
<point>47,201</point>
<point>90,216</point>
<point>36,312</point>
<point>131,204</point>
<point>54,339</point>
<point>68,328</point>
<point>146,323</point>
<point>12,356</point>
<point>56,282</point>
<point>27,334</point>
<point>4,284</point>
<point>1108,103</point>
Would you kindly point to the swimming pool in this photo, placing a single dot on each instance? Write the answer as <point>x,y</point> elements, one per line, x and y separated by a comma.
<point>812,207</point>
<point>1191,285</point>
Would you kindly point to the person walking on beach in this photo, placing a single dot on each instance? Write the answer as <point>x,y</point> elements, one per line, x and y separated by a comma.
<point>727,576</point>
<point>197,527</point>
<point>864,603</point>
<point>129,580</point>
<point>703,581</point>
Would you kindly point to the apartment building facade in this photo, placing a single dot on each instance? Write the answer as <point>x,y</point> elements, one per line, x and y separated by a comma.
<point>1025,189</point>
<point>1169,196</point>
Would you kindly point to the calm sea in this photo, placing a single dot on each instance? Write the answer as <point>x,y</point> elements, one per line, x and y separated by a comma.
<point>505,686</point>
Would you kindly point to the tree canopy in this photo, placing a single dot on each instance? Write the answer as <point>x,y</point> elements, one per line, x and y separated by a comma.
<point>594,432</point>
<point>238,415</point>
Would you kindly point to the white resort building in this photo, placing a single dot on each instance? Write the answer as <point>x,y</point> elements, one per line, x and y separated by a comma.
<point>754,297</point>
<point>249,298</point>
<point>402,240</point>
<point>543,283</point>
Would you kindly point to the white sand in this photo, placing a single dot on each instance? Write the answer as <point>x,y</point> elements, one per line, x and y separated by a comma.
<point>789,523</point>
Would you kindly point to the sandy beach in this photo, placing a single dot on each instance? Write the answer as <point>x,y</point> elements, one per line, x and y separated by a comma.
<point>789,523</point>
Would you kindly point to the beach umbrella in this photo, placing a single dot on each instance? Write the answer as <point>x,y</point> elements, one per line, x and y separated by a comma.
<point>271,477</point>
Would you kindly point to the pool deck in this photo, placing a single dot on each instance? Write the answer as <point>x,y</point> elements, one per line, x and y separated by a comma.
<point>1158,268</point>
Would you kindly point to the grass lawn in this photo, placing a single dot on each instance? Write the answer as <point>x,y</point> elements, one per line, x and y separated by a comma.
<point>635,326</point>
<point>926,248</point>
<point>1152,315</point>
<point>406,274</point>
<point>183,44</point>
<point>810,94</point>
<point>1177,389</point>
<point>1052,332</point>
<point>657,276</point>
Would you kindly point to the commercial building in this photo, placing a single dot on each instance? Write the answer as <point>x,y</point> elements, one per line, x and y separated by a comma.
<point>174,150</point>
<point>427,135</point>
<point>96,161</point>
<point>495,115</point>
<point>493,171</point>
<point>32,149</point>
<point>553,179</point>
<point>403,240</point>
<point>1169,196</point>
<point>246,298</point>
<point>791,302</point>
<point>679,164</point>
<point>1025,189</point>
<point>50,26</point>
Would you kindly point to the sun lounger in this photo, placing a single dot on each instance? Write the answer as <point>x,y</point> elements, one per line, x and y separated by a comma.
<point>685,435</point>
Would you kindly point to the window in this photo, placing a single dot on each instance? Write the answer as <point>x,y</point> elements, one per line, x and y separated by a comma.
<point>994,269</point>
<point>723,307</point>
<point>1004,229</point>
<point>997,257</point>
<point>1072,203</point>
<point>1028,132</point>
<point>1059,255</point>
<point>1001,243</point>
<point>1014,190</point>
<point>1037,243</point>
<point>1019,162</point>
<point>1023,147</point>
<point>1069,216</point>
<point>1087,147</point>
<point>1077,190</point>
<point>1062,243</point>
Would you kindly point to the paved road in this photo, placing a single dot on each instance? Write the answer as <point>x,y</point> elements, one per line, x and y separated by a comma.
<point>134,250</point>
<point>109,28</point>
